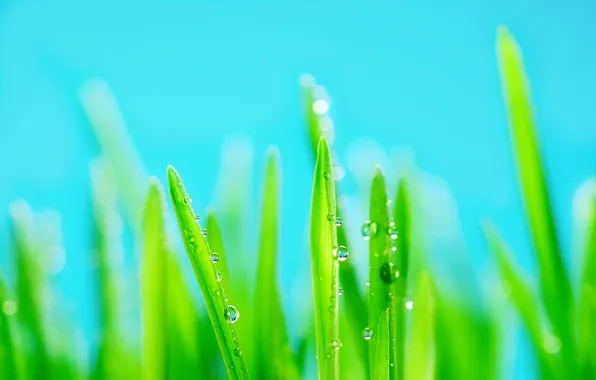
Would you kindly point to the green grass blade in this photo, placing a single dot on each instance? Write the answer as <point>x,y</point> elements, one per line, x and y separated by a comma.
<point>402,218</point>
<point>199,255</point>
<point>554,283</point>
<point>355,304</point>
<point>109,128</point>
<point>30,282</point>
<point>421,358</point>
<point>587,304</point>
<point>272,352</point>
<point>215,239</point>
<point>323,249</point>
<point>8,364</point>
<point>383,274</point>
<point>521,295</point>
<point>153,281</point>
<point>380,362</point>
<point>106,244</point>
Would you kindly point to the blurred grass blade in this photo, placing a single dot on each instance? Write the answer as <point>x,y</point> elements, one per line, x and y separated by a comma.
<point>554,283</point>
<point>221,313</point>
<point>403,225</point>
<point>521,295</point>
<point>107,245</point>
<point>421,359</point>
<point>323,249</point>
<point>587,304</point>
<point>383,274</point>
<point>8,365</point>
<point>320,125</point>
<point>153,281</point>
<point>272,351</point>
<point>109,128</point>
<point>30,282</point>
<point>380,363</point>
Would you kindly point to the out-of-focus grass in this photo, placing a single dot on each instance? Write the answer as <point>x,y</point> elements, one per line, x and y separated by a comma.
<point>377,336</point>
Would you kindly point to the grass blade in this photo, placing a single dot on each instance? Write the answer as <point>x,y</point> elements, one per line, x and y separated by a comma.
<point>272,351</point>
<point>587,304</point>
<point>355,311</point>
<point>383,274</point>
<point>554,283</point>
<point>199,255</point>
<point>421,359</point>
<point>30,281</point>
<point>380,358</point>
<point>323,249</point>
<point>401,215</point>
<point>153,281</point>
<point>521,295</point>
<point>8,364</point>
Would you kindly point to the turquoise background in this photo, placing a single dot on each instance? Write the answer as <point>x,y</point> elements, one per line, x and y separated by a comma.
<point>416,74</point>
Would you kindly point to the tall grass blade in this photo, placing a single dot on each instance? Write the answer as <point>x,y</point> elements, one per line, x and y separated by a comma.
<point>154,282</point>
<point>325,266</point>
<point>403,224</point>
<point>522,297</point>
<point>421,358</point>
<point>355,305</point>
<point>107,245</point>
<point>380,362</point>
<point>587,303</point>
<point>383,274</point>
<point>221,313</point>
<point>8,364</point>
<point>109,128</point>
<point>30,282</point>
<point>273,358</point>
<point>554,283</point>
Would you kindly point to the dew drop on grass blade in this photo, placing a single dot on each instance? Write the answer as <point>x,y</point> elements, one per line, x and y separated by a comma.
<point>383,275</point>
<point>273,358</point>
<point>153,284</point>
<point>421,350</point>
<point>323,243</point>
<point>221,313</point>
<point>355,306</point>
<point>554,282</point>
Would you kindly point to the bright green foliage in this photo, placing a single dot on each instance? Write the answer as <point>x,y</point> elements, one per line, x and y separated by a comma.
<point>325,264</point>
<point>421,359</point>
<point>153,278</point>
<point>555,288</point>
<point>8,365</point>
<point>220,311</point>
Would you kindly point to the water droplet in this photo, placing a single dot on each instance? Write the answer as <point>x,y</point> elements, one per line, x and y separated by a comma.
<point>9,307</point>
<point>389,273</point>
<point>320,106</point>
<point>368,230</point>
<point>367,283</point>
<point>389,296</point>
<point>330,217</point>
<point>551,344</point>
<point>340,291</point>
<point>336,344</point>
<point>204,232</point>
<point>197,218</point>
<point>367,333</point>
<point>338,221</point>
<point>389,202</point>
<point>214,257</point>
<point>328,356</point>
<point>392,230</point>
<point>391,364</point>
<point>326,175</point>
<point>231,314</point>
<point>218,274</point>
<point>331,309</point>
<point>341,253</point>
<point>187,200</point>
<point>226,299</point>
<point>237,351</point>
<point>409,305</point>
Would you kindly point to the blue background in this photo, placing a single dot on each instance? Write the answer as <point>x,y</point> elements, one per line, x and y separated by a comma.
<point>416,74</point>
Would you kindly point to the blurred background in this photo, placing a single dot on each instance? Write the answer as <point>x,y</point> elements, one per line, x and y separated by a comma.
<point>209,85</point>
